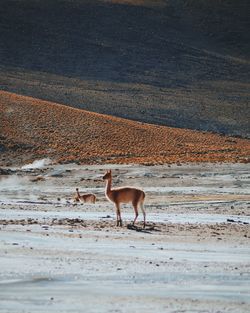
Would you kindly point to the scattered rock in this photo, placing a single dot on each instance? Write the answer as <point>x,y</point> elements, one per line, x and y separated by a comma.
<point>37,179</point>
<point>231,220</point>
<point>107,216</point>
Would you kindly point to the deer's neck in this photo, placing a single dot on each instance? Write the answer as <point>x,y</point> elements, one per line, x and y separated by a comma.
<point>78,194</point>
<point>108,190</point>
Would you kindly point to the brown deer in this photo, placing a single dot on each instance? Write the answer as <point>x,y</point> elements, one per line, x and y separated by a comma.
<point>124,195</point>
<point>89,197</point>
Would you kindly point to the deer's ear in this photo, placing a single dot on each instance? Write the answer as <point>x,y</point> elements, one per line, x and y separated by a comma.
<point>110,171</point>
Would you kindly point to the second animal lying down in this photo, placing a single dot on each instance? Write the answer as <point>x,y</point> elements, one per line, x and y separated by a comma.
<point>88,197</point>
<point>124,195</point>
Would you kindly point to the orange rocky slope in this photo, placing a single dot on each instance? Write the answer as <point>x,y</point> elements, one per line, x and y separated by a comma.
<point>32,128</point>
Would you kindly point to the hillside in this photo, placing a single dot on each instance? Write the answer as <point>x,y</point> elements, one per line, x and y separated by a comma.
<point>181,63</point>
<point>33,129</point>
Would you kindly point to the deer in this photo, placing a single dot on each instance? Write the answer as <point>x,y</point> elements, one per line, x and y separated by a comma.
<point>89,197</point>
<point>124,195</point>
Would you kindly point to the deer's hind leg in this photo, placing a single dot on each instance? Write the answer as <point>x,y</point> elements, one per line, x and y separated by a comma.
<point>135,206</point>
<point>144,214</point>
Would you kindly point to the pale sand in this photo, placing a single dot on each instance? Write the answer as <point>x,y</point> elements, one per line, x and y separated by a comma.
<point>194,255</point>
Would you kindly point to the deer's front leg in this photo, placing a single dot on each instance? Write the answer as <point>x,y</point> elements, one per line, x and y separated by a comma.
<point>118,215</point>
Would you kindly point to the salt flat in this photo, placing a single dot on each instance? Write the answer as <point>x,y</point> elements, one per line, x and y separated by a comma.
<point>194,255</point>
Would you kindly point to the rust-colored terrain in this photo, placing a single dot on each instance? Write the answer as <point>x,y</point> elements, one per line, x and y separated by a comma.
<point>33,128</point>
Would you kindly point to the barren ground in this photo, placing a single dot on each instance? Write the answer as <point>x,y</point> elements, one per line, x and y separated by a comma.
<point>33,128</point>
<point>179,63</point>
<point>194,255</point>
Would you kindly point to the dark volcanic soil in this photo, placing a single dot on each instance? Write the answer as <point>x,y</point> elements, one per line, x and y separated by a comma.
<point>176,63</point>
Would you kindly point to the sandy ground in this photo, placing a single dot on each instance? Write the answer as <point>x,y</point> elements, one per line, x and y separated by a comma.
<point>193,256</point>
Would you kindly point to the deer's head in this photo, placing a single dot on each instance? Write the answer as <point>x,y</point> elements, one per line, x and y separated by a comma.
<point>107,175</point>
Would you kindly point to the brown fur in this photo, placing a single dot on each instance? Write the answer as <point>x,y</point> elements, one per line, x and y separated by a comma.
<point>124,195</point>
<point>88,197</point>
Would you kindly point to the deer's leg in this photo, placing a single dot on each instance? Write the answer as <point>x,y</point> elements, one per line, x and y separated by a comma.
<point>136,212</point>
<point>118,215</point>
<point>144,214</point>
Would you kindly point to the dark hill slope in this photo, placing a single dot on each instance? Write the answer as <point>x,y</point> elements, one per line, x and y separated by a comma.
<point>179,63</point>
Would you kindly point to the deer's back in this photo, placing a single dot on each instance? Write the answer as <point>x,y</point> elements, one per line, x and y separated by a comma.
<point>88,197</point>
<point>127,194</point>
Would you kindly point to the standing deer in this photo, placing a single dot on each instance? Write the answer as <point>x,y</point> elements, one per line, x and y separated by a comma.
<point>124,195</point>
<point>89,197</point>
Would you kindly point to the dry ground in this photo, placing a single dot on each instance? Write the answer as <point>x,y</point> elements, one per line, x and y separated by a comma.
<point>193,256</point>
<point>175,63</point>
<point>32,128</point>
